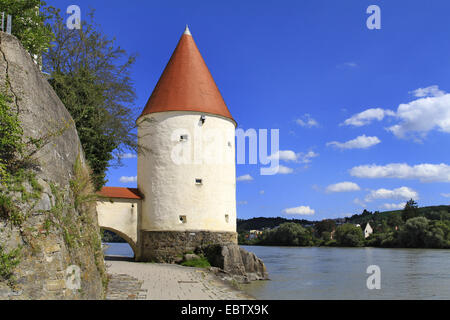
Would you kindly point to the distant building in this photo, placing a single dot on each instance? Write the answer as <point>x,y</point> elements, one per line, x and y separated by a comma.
<point>253,234</point>
<point>368,230</point>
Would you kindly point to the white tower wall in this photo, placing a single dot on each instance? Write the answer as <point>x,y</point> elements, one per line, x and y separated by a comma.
<point>169,183</point>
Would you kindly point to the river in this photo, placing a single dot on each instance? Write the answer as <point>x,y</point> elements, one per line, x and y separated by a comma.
<point>340,273</point>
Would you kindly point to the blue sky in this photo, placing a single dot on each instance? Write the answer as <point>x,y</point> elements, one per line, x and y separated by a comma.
<point>346,95</point>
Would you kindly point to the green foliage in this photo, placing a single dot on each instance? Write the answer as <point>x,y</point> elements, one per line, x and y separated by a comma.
<point>201,262</point>
<point>330,243</point>
<point>288,234</point>
<point>389,230</point>
<point>394,220</point>
<point>385,240</point>
<point>419,232</point>
<point>62,216</point>
<point>91,76</point>
<point>410,211</point>
<point>8,261</point>
<point>15,164</point>
<point>29,24</point>
<point>326,225</point>
<point>81,186</point>
<point>349,235</point>
<point>11,145</point>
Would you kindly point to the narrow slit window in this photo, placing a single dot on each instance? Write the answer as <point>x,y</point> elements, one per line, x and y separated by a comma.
<point>227,218</point>
<point>183,219</point>
<point>184,137</point>
<point>198,181</point>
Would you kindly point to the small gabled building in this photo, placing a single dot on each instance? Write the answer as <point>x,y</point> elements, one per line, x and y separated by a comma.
<point>367,230</point>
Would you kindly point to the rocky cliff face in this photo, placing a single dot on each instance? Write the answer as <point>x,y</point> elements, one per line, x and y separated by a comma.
<point>59,236</point>
<point>232,262</point>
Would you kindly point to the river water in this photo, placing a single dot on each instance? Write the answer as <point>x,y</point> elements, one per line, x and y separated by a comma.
<point>341,273</point>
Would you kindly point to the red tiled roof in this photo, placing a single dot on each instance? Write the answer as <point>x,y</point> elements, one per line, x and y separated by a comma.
<point>186,84</point>
<point>123,193</point>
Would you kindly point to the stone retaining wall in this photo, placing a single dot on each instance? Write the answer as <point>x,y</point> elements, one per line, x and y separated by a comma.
<point>168,246</point>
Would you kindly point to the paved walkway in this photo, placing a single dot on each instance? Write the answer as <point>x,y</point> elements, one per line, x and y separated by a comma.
<point>151,281</point>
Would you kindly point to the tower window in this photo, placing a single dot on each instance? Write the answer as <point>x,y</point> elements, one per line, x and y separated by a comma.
<point>184,137</point>
<point>202,119</point>
<point>183,219</point>
<point>229,144</point>
<point>227,218</point>
<point>198,181</point>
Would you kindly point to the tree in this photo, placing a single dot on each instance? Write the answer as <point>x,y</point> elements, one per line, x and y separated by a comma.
<point>366,213</point>
<point>419,232</point>
<point>410,211</point>
<point>28,25</point>
<point>326,225</point>
<point>414,232</point>
<point>288,234</point>
<point>349,235</point>
<point>91,76</point>
<point>394,220</point>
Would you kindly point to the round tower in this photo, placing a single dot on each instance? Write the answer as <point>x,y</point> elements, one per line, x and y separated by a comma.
<point>186,163</point>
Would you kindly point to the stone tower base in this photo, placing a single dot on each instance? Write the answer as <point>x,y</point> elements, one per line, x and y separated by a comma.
<point>167,246</point>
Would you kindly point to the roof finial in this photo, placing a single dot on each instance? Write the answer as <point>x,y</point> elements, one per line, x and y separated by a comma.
<point>187,31</point>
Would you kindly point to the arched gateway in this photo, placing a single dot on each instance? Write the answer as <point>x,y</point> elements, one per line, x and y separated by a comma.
<point>118,211</point>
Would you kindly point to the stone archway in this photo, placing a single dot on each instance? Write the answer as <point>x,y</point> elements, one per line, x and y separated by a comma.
<point>124,237</point>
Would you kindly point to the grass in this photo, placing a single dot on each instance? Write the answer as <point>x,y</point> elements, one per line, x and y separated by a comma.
<point>202,262</point>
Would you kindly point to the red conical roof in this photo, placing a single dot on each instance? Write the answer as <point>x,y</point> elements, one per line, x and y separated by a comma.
<point>186,84</point>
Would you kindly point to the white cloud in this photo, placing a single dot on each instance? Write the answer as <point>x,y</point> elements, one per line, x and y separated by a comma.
<point>420,116</point>
<point>416,118</point>
<point>359,202</point>
<point>284,170</point>
<point>291,156</point>
<point>246,177</point>
<point>306,157</point>
<point>284,155</point>
<point>423,172</point>
<point>262,192</point>
<point>343,187</point>
<point>393,206</point>
<point>367,116</point>
<point>128,179</point>
<point>399,193</point>
<point>361,142</point>
<point>307,121</point>
<point>127,156</point>
<point>446,195</point>
<point>431,91</point>
<point>242,203</point>
<point>302,210</point>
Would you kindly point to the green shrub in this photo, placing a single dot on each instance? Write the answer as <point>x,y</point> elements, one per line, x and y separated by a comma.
<point>8,262</point>
<point>349,235</point>
<point>288,234</point>
<point>28,26</point>
<point>202,262</point>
